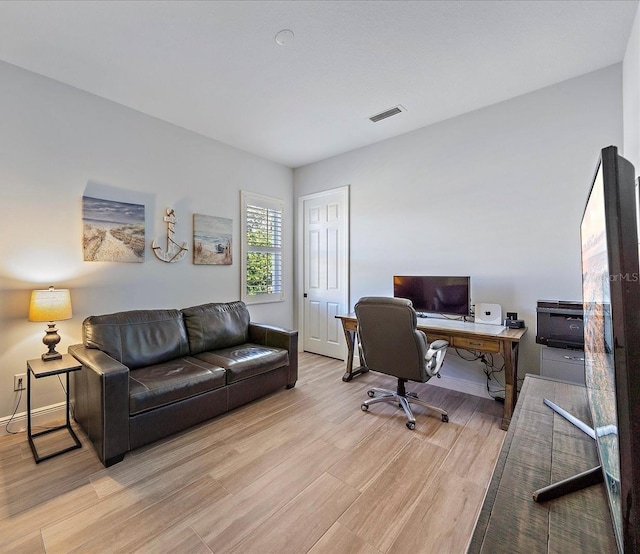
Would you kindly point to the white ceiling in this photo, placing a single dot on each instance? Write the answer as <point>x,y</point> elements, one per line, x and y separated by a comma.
<point>215,68</point>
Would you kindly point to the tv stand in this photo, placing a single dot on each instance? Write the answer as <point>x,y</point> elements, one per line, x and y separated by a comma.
<point>542,447</point>
<point>577,482</point>
<point>572,484</point>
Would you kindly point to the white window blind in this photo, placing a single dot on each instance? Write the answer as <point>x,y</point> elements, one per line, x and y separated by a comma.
<point>262,249</point>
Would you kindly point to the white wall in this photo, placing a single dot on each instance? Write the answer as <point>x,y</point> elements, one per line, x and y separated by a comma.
<point>631,96</point>
<point>438,200</point>
<point>497,194</point>
<point>58,144</point>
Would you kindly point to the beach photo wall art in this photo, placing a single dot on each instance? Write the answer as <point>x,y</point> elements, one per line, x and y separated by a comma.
<point>212,240</point>
<point>112,231</point>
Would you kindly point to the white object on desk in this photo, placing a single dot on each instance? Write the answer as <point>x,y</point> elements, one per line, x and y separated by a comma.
<point>489,314</point>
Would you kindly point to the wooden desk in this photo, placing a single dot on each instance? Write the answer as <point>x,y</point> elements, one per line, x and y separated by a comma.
<point>492,339</point>
<point>541,448</point>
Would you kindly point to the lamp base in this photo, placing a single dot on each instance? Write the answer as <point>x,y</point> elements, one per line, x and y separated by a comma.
<point>51,339</point>
<point>48,356</point>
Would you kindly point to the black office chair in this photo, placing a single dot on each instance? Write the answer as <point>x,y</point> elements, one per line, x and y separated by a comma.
<point>390,343</point>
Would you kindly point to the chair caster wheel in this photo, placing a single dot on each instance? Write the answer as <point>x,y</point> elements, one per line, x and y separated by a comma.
<point>445,418</point>
<point>411,425</point>
<point>364,407</point>
<point>371,393</point>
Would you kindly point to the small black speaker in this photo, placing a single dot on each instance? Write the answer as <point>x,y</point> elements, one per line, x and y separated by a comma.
<point>514,323</point>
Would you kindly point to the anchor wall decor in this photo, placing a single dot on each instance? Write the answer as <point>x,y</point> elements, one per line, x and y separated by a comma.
<point>174,252</point>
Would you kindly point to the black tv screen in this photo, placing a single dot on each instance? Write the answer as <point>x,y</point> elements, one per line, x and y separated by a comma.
<point>611,298</point>
<point>431,294</point>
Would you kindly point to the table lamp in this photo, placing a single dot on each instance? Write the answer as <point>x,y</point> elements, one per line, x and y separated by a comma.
<point>50,305</point>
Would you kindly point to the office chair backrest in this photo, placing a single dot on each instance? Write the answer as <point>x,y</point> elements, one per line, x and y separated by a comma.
<point>389,340</point>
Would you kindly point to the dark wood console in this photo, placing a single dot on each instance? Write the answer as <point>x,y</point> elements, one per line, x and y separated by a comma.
<point>541,448</point>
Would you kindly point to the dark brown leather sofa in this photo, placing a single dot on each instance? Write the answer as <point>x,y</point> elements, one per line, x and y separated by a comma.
<point>149,373</point>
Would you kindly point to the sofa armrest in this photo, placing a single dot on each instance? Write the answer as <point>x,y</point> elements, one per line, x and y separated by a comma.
<point>278,337</point>
<point>100,395</point>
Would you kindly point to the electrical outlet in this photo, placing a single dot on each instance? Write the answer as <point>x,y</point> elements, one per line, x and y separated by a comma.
<point>20,381</point>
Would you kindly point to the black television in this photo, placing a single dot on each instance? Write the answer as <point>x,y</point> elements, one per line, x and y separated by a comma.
<point>611,300</point>
<point>433,294</point>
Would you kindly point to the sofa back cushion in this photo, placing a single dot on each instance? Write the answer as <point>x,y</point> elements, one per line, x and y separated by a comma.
<point>138,338</point>
<point>214,326</point>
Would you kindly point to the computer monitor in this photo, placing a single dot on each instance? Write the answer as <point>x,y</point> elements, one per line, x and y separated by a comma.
<point>434,294</point>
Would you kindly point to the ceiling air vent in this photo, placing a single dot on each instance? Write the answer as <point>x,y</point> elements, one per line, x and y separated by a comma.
<point>387,113</point>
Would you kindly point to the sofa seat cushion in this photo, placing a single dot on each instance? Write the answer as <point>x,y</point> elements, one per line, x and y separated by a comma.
<point>246,360</point>
<point>161,384</point>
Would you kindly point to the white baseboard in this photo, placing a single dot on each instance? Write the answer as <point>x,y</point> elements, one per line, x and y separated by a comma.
<point>39,417</point>
<point>460,385</point>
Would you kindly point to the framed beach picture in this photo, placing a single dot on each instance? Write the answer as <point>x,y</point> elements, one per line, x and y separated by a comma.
<point>112,231</point>
<point>212,240</point>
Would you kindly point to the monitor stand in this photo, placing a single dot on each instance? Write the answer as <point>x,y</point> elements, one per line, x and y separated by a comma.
<point>577,482</point>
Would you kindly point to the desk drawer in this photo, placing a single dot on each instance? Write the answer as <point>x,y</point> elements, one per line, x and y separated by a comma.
<point>484,345</point>
<point>438,336</point>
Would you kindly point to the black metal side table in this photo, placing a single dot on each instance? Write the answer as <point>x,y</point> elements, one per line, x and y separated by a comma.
<point>39,368</point>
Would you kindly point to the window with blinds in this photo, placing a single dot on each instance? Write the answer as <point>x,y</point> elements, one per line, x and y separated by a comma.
<point>262,249</point>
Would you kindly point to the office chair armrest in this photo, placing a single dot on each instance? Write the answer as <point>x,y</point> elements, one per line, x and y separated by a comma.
<point>435,356</point>
<point>438,344</point>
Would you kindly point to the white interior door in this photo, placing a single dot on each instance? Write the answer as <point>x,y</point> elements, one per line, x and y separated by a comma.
<point>326,270</point>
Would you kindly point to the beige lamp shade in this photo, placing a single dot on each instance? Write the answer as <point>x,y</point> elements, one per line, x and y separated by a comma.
<point>50,305</point>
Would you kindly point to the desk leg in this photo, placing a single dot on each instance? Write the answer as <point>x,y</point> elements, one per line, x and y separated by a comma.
<point>350,336</point>
<point>510,353</point>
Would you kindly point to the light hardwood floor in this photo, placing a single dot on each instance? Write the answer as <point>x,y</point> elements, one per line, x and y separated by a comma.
<point>302,470</point>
